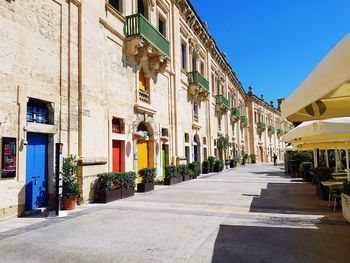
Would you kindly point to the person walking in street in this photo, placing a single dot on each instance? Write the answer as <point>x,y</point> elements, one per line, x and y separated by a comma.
<point>274,159</point>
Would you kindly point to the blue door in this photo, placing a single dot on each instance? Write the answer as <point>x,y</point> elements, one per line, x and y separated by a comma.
<point>195,153</point>
<point>36,173</point>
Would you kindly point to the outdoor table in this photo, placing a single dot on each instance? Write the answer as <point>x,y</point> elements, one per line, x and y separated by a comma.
<point>340,177</point>
<point>340,173</point>
<point>332,183</point>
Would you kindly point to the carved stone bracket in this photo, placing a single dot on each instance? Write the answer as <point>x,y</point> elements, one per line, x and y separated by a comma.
<point>150,59</point>
<point>197,92</point>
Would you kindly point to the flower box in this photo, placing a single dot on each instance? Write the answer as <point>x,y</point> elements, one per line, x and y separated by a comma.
<point>128,192</point>
<point>109,196</point>
<point>185,177</point>
<point>170,181</point>
<point>142,188</point>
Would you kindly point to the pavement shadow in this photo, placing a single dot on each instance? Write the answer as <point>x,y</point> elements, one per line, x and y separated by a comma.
<point>288,198</point>
<point>251,244</point>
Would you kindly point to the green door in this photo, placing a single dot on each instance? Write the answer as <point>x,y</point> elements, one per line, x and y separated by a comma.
<point>163,159</point>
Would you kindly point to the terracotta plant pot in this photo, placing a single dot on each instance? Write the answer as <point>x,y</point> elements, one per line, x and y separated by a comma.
<point>69,203</point>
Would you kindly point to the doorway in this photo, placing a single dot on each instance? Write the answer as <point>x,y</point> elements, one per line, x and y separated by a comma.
<point>261,152</point>
<point>145,149</point>
<point>36,171</point>
<point>118,156</point>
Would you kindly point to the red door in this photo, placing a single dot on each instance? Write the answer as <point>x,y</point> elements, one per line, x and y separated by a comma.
<point>117,157</point>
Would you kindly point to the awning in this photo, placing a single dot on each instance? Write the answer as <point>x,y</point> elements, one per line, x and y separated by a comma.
<point>336,129</point>
<point>326,91</point>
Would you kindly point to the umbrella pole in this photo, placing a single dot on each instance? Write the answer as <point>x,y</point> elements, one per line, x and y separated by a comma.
<point>315,158</point>
<point>336,161</point>
<point>347,164</point>
<point>327,161</point>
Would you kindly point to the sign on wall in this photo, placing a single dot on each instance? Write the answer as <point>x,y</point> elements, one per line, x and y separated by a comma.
<point>9,150</point>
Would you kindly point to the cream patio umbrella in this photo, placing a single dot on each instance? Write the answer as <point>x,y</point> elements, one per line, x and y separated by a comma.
<point>326,91</point>
<point>324,134</point>
<point>322,130</point>
<point>327,145</point>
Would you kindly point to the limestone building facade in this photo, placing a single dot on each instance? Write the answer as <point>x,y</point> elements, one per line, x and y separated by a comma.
<point>122,84</point>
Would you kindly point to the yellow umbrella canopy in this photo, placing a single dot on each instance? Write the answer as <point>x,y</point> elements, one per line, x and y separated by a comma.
<point>322,145</point>
<point>326,91</point>
<point>336,129</point>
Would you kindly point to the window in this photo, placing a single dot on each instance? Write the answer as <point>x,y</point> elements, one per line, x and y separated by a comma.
<point>219,124</point>
<point>187,137</point>
<point>165,132</point>
<point>195,112</point>
<point>183,55</point>
<point>187,154</point>
<point>218,86</point>
<point>162,26</point>
<point>204,140</point>
<point>194,63</point>
<point>37,111</point>
<point>117,4</point>
<point>143,81</point>
<point>202,68</point>
<point>141,8</point>
<point>212,85</point>
<point>255,117</point>
<point>144,88</point>
<point>117,125</point>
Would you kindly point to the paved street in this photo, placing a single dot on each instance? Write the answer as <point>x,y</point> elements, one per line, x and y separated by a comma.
<point>249,214</point>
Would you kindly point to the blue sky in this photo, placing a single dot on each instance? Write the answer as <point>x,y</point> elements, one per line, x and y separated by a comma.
<point>273,45</point>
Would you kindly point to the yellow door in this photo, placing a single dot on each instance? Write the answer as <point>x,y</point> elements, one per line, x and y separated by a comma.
<point>143,157</point>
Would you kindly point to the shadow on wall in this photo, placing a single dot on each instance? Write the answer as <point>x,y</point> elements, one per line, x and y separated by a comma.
<point>274,244</point>
<point>21,201</point>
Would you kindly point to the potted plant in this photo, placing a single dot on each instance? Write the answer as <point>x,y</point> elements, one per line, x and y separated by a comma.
<point>345,201</point>
<point>183,173</point>
<point>205,167</point>
<point>70,187</point>
<point>127,183</point>
<point>148,176</point>
<point>252,158</point>
<point>222,143</point>
<point>196,168</point>
<point>305,171</point>
<point>211,161</point>
<point>244,158</point>
<point>170,175</point>
<point>218,166</point>
<point>233,163</point>
<point>107,188</point>
<point>322,174</point>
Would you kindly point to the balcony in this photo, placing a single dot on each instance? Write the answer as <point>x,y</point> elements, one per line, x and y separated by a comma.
<point>221,104</point>
<point>271,130</point>
<point>244,121</point>
<point>235,114</point>
<point>145,45</point>
<point>261,127</point>
<point>199,86</point>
